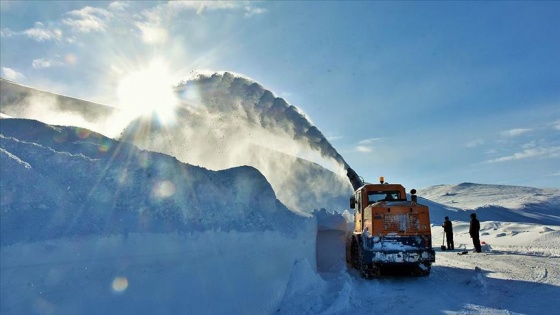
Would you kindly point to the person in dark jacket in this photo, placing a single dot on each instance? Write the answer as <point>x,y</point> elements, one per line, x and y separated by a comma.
<point>448,229</point>
<point>474,229</point>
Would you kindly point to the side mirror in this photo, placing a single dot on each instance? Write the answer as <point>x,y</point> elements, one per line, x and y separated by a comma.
<point>352,202</point>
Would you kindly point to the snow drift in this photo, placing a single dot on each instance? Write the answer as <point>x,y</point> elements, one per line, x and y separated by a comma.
<point>77,205</point>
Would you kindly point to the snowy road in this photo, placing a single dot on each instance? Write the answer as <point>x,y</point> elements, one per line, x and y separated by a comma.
<point>518,273</point>
<point>506,265</point>
<point>493,282</point>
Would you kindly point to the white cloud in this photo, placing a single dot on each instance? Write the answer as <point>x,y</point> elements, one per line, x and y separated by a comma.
<point>119,5</point>
<point>6,32</point>
<point>87,20</point>
<point>475,143</point>
<point>11,74</point>
<point>514,132</point>
<point>363,148</point>
<point>369,141</point>
<point>40,33</point>
<point>152,34</point>
<point>200,7</point>
<point>530,145</point>
<point>44,63</point>
<point>365,144</point>
<point>334,138</point>
<point>556,125</point>
<point>250,11</point>
<point>529,153</point>
<point>153,31</point>
<point>149,22</point>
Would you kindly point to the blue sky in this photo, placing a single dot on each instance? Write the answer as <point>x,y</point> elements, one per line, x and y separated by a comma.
<point>423,93</point>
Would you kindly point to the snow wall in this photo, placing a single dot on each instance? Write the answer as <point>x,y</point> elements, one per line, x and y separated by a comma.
<point>122,230</point>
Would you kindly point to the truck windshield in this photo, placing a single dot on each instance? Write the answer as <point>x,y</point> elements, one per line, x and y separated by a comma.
<point>375,196</point>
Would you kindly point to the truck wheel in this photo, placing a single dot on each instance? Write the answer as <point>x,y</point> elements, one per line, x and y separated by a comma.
<point>367,270</point>
<point>354,255</point>
<point>364,272</point>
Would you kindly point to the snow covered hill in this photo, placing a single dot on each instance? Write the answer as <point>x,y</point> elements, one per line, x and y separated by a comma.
<point>110,185</point>
<point>469,196</point>
<point>494,202</point>
<point>21,101</point>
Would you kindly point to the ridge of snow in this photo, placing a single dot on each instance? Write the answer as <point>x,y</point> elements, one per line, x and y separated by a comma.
<point>469,196</point>
<point>128,191</point>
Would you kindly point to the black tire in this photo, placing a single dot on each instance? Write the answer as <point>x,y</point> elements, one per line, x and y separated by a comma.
<point>367,271</point>
<point>354,254</point>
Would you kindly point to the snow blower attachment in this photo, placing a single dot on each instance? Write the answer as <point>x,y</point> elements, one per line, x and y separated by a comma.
<point>389,230</point>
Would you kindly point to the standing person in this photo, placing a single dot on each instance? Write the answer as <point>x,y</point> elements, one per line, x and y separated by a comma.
<point>474,229</point>
<point>448,229</point>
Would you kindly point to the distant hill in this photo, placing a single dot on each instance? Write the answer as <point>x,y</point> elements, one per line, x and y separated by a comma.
<point>18,101</point>
<point>494,202</point>
<point>21,101</point>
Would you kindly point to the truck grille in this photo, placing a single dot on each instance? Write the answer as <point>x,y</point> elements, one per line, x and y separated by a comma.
<point>401,223</point>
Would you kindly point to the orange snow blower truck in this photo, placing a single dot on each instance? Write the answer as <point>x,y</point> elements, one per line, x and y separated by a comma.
<point>389,230</point>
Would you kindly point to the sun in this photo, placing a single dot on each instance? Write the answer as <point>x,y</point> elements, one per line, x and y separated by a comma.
<point>149,91</point>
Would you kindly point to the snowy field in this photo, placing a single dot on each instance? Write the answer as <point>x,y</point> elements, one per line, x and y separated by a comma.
<point>93,225</point>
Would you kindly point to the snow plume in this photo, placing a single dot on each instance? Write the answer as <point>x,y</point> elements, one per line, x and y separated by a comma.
<point>226,121</point>
<point>241,105</point>
<point>259,107</point>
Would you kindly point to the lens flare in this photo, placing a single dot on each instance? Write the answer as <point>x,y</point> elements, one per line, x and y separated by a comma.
<point>164,189</point>
<point>83,133</point>
<point>61,136</point>
<point>104,145</point>
<point>143,160</point>
<point>120,284</point>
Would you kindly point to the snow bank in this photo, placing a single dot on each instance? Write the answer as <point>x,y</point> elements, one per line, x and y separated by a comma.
<point>155,273</point>
<point>70,189</point>
<point>510,237</point>
<point>332,232</point>
<point>160,236</point>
